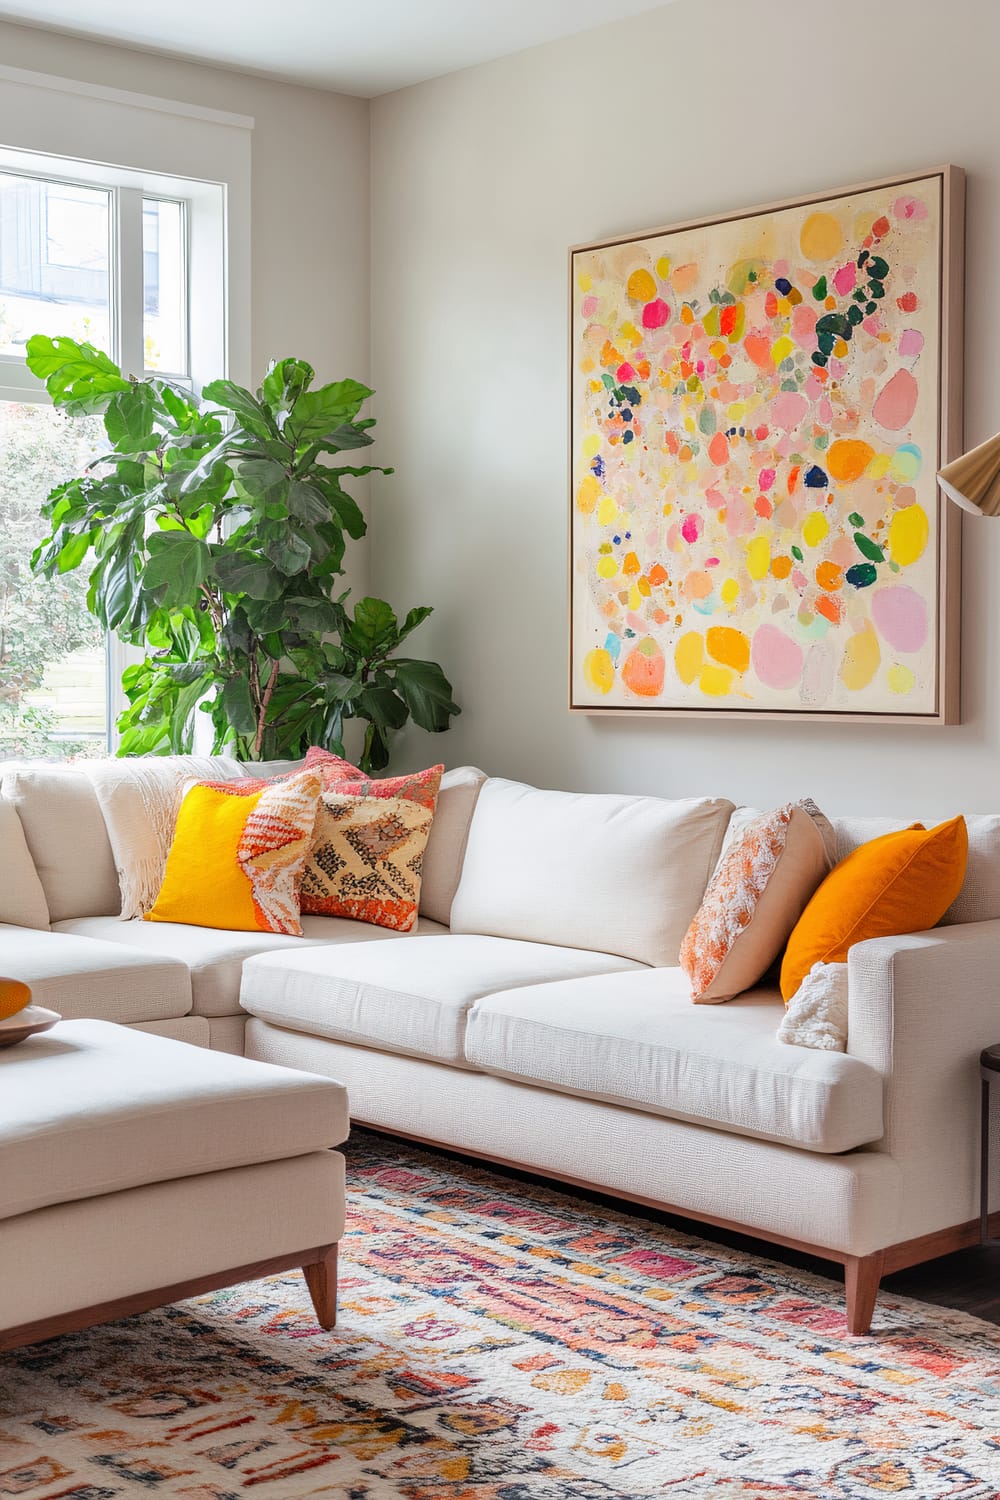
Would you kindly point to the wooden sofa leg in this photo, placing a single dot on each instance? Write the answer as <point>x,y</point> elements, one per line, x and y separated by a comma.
<point>321,1279</point>
<point>862,1274</point>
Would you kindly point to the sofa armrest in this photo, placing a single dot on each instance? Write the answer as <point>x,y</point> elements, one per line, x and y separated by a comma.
<point>920,1010</point>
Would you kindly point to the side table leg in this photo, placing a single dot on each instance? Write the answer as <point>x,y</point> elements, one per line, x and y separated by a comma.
<point>984,1165</point>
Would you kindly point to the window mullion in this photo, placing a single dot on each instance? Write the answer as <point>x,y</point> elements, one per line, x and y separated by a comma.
<point>129,298</point>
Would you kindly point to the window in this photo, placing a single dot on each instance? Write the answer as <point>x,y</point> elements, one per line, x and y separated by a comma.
<point>117,262</point>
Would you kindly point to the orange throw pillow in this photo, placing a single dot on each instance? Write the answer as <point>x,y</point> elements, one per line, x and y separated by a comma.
<point>902,882</point>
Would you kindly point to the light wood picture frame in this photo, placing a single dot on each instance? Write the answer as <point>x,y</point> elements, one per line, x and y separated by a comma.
<point>759,404</point>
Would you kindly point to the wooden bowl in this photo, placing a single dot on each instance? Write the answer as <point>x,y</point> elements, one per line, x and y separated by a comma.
<point>27,1022</point>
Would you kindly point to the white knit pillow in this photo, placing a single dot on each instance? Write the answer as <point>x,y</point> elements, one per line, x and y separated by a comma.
<point>140,798</point>
<point>816,1015</point>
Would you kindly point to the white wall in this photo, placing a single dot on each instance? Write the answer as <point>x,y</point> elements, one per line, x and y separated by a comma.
<point>480,181</point>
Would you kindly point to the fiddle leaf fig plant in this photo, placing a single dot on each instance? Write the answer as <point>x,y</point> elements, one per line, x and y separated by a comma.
<point>215,530</point>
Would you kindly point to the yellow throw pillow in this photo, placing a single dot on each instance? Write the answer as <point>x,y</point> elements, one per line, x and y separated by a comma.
<point>903,882</point>
<point>238,853</point>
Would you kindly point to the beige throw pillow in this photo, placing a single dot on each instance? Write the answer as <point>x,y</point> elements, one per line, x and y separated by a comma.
<point>758,892</point>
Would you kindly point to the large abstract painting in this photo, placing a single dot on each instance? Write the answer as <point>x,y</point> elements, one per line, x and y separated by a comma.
<point>759,405</point>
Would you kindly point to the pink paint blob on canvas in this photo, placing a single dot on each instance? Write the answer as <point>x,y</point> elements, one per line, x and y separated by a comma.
<point>896,401</point>
<point>900,617</point>
<point>777,659</point>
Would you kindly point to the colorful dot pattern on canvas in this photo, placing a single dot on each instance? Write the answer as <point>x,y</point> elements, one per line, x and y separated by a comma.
<point>755,441</point>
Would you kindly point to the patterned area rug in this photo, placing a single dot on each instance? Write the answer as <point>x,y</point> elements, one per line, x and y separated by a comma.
<point>504,1342</point>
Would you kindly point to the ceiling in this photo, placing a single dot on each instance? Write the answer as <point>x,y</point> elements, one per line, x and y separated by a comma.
<point>363,47</point>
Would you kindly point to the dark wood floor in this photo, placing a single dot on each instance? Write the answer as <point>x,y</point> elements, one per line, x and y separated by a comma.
<point>968,1280</point>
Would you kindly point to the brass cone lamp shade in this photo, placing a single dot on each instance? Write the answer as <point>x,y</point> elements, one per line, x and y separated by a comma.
<point>973,481</point>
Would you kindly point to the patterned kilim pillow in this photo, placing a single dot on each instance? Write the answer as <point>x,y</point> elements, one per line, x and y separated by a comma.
<point>237,854</point>
<point>368,847</point>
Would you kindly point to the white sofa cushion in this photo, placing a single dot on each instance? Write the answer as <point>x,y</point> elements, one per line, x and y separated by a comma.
<point>69,844</point>
<point>121,1108</point>
<point>979,898</point>
<point>215,956</point>
<point>80,977</point>
<point>636,1040</point>
<point>608,873</point>
<point>445,852</point>
<point>411,999</point>
<point>22,899</point>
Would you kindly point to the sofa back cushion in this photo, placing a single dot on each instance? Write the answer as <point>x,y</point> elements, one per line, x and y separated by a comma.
<point>612,874</point>
<point>22,899</point>
<point>446,844</point>
<point>67,838</point>
<point>979,898</point>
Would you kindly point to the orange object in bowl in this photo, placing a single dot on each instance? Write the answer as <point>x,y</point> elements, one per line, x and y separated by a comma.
<point>14,996</point>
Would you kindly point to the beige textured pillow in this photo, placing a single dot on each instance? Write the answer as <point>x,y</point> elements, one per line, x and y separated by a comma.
<point>22,899</point>
<point>757,894</point>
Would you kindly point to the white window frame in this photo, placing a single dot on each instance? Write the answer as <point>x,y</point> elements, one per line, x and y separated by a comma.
<point>205,271</point>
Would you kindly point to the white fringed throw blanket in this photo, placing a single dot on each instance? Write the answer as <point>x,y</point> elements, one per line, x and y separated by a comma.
<point>140,799</point>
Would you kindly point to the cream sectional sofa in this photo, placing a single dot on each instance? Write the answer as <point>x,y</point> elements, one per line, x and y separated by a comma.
<point>541,1020</point>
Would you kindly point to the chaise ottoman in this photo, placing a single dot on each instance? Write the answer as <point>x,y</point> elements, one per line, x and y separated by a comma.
<point>135,1171</point>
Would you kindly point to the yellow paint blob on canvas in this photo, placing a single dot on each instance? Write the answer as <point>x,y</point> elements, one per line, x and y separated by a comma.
<point>592,445</point>
<point>730,592</point>
<point>634,597</point>
<point>629,334</point>
<point>716,682</point>
<point>607,511</point>
<point>607,567</point>
<point>689,654</point>
<point>758,557</point>
<point>782,348</point>
<point>901,679</point>
<point>861,659</point>
<point>585,281</point>
<point>879,466</point>
<point>663,267</point>
<point>599,670</point>
<point>821,237</point>
<point>588,494</point>
<point>641,286</point>
<point>728,646</point>
<point>908,533</point>
<point>815,528</point>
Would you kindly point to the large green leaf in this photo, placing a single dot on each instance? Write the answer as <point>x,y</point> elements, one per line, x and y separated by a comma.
<point>289,552</point>
<point>317,414</point>
<point>238,705</point>
<point>426,692</point>
<point>284,383</point>
<point>384,707</point>
<point>178,563</point>
<point>306,502</point>
<point>252,414</point>
<point>130,419</point>
<point>343,438</point>
<point>373,630</point>
<point>72,552</point>
<point>263,479</point>
<point>72,371</point>
<point>414,618</point>
<point>246,573</point>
